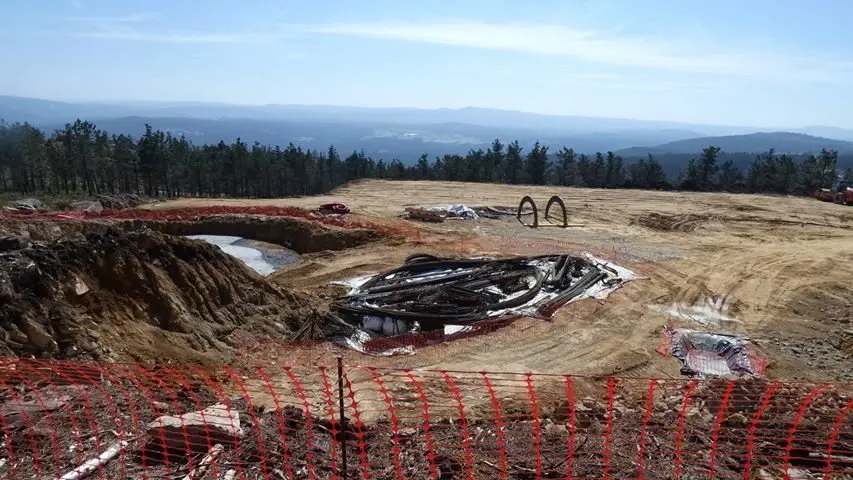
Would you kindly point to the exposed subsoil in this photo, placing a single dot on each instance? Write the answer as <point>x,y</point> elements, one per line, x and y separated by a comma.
<point>138,295</point>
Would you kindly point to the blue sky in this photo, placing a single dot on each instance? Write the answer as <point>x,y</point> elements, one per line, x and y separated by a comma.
<point>778,63</point>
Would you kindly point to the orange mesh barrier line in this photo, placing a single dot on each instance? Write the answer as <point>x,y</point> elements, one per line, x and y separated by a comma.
<point>62,419</point>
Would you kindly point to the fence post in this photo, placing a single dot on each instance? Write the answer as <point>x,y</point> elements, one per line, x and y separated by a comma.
<point>342,418</point>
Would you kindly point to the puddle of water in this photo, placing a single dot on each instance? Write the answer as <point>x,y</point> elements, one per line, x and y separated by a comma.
<point>264,258</point>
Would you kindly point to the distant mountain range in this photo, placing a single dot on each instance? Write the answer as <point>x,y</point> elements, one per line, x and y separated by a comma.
<point>406,133</point>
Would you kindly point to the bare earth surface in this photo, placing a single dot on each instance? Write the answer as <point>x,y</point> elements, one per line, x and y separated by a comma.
<point>775,269</point>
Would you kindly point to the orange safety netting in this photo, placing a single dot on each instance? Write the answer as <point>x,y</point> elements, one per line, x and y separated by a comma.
<point>110,420</point>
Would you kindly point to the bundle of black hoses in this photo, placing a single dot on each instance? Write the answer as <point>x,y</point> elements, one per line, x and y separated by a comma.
<point>437,291</point>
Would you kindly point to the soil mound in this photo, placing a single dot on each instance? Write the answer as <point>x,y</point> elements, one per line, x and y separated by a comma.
<point>138,295</point>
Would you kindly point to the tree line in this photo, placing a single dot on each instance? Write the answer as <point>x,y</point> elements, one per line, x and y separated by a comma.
<point>82,159</point>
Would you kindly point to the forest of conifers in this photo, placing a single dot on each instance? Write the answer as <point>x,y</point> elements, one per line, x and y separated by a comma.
<point>81,159</point>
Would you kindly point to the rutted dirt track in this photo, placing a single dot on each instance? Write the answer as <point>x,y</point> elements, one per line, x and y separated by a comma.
<point>776,269</point>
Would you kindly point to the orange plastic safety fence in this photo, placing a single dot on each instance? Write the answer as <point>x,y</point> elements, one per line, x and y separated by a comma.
<point>75,420</point>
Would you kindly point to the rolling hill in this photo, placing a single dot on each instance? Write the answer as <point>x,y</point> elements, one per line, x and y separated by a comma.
<point>783,142</point>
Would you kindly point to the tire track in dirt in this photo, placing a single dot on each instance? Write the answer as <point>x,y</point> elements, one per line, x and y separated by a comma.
<point>759,280</point>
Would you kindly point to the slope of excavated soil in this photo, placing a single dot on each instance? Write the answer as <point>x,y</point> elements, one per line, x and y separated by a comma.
<point>299,235</point>
<point>302,236</point>
<point>138,295</point>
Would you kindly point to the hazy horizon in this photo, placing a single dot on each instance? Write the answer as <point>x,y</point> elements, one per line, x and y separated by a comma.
<point>673,124</point>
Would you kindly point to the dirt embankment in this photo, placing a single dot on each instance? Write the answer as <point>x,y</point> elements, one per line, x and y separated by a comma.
<point>302,236</point>
<point>299,235</point>
<point>136,295</point>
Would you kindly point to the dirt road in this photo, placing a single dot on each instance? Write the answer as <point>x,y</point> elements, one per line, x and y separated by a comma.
<point>775,269</point>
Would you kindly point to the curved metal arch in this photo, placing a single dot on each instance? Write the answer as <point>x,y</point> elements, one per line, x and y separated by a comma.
<point>529,200</point>
<point>559,201</point>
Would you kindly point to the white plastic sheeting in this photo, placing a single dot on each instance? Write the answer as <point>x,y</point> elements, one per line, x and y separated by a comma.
<point>252,257</point>
<point>457,211</point>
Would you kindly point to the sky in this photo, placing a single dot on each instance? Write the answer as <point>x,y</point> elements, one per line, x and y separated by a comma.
<point>785,63</point>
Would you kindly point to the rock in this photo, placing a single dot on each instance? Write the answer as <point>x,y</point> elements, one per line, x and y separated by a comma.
<point>622,410</point>
<point>88,345</point>
<point>7,294</point>
<point>26,205</point>
<point>87,206</point>
<point>120,201</point>
<point>14,243</point>
<point>737,420</point>
<point>24,273</point>
<point>699,416</point>
<point>38,337</point>
<point>26,411</point>
<point>80,286</point>
<point>555,428</point>
<point>194,432</point>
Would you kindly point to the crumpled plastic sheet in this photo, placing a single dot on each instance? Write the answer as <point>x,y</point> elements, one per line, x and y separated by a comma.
<point>457,211</point>
<point>617,276</point>
<point>712,354</point>
<point>357,340</point>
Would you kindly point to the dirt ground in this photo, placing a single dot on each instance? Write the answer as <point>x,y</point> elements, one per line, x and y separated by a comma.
<point>775,269</point>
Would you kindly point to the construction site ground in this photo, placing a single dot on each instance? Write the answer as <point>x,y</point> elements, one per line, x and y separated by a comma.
<point>775,269</point>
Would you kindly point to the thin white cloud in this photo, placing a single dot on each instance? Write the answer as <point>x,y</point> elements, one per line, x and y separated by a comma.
<point>174,37</point>
<point>76,4</point>
<point>129,28</point>
<point>591,46</point>
<point>123,19</point>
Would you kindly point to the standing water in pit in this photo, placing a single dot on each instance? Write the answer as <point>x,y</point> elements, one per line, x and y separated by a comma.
<point>262,257</point>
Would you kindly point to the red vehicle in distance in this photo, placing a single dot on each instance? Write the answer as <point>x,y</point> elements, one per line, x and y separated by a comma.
<point>840,192</point>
